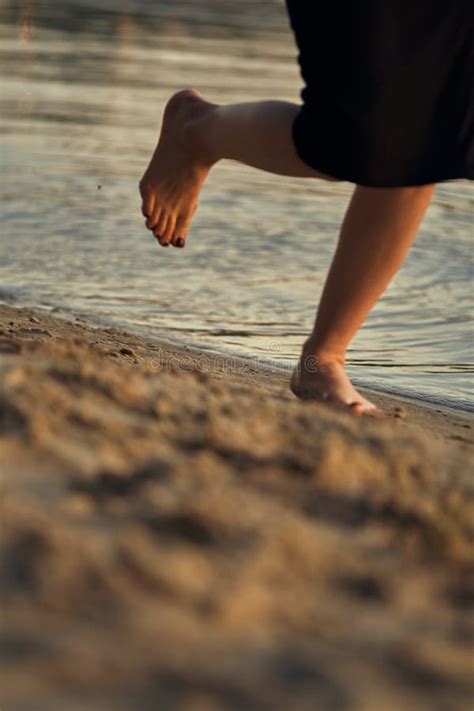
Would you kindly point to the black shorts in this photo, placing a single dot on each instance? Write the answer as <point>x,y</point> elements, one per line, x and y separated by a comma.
<point>389,89</point>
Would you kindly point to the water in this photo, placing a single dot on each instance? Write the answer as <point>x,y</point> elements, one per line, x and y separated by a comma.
<point>83,87</point>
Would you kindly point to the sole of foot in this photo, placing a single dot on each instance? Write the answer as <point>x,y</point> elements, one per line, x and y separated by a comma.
<point>172,182</point>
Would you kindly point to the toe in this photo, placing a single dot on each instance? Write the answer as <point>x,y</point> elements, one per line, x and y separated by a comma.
<point>180,230</point>
<point>357,408</point>
<point>371,410</point>
<point>160,226</point>
<point>376,412</point>
<point>147,208</point>
<point>162,231</point>
<point>161,223</point>
<point>153,220</point>
<point>148,202</point>
<point>180,241</point>
<point>168,232</point>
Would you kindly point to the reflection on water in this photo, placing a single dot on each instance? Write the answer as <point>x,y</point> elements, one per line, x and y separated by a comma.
<point>82,90</point>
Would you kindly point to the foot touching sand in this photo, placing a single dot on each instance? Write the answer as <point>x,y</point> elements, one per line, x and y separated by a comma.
<point>329,383</point>
<point>179,166</point>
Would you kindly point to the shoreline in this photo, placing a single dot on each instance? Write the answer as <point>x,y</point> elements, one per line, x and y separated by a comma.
<point>199,350</point>
<point>180,534</point>
<point>437,419</point>
<point>275,368</point>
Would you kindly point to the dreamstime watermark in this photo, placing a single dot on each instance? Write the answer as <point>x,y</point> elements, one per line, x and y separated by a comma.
<point>270,360</point>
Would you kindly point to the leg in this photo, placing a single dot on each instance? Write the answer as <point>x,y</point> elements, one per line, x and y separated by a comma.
<point>378,230</point>
<point>194,136</point>
<point>259,134</point>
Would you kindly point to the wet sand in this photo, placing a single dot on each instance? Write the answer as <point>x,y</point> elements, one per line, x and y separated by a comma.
<point>178,532</point>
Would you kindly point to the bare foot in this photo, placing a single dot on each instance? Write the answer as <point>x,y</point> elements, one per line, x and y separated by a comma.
<point>328,382</point>
<point>179,166</point>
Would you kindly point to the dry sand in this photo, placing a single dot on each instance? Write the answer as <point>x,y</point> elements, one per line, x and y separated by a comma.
<point>183,534</point>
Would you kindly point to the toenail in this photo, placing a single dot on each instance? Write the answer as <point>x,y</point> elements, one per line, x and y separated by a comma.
<point>180,242</point>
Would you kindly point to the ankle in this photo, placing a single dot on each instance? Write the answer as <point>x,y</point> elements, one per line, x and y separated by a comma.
<point>199,128</point>
<point>316,355</point>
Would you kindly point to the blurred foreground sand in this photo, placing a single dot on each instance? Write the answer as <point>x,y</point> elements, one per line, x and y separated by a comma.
<point>182,534</point>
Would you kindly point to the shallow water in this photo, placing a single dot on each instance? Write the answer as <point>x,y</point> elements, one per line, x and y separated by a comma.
<point>82,90</point>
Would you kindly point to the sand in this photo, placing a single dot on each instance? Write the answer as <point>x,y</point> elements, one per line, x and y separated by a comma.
<point>178,532</point>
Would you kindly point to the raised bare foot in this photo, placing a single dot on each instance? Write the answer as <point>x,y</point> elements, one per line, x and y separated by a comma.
<point>179,166</point>
<point>326,381</point>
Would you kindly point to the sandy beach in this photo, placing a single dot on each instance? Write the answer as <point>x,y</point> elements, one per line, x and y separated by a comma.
<point>179,532</point>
